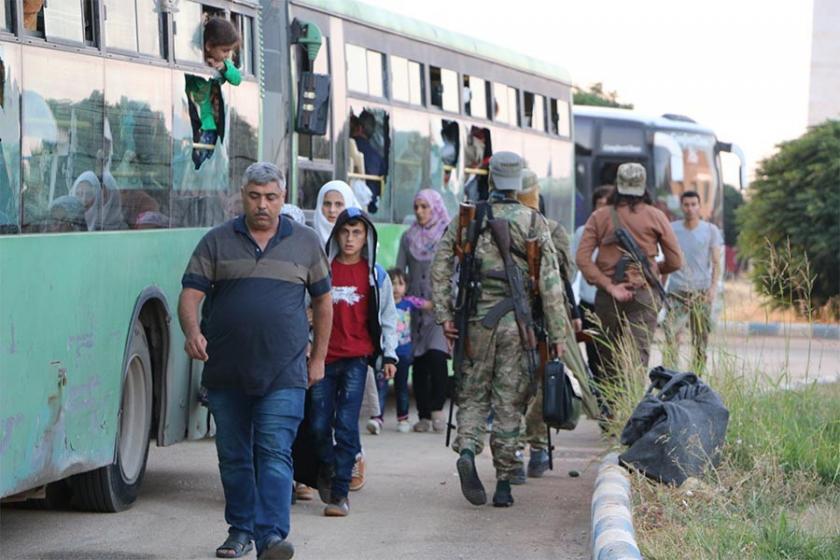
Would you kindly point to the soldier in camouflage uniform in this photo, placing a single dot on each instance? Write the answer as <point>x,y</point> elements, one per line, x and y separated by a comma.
<point>535,432</point>
<point>495,374</point>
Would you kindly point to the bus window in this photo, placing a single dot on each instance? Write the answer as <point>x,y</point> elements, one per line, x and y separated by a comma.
<point>365,70</point>
<point>63,19</point>
<point>139,122</point>
<point>133,25</point>
<point>445,180</point>
<point>5,16</point>
<point>534,111</point>
<point>477,153</point>
<point>63,146</point>
<point>412,156</point>
<point>444,86</point>
<point>9,129</point>
<point>242,140</point>
<point>368,148</point>
<point>188,27</point>
<point>406,80</point>
<point>244,55</point>
<point>584,136</point>
<point>475,97</point>
<point>506,104</point>
<point>560,121</point>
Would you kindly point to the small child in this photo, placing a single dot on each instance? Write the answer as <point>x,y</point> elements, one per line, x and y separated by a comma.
<point>404,304</point>
<point>220,40</point>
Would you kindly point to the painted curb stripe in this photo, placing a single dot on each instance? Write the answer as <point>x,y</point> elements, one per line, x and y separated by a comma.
<point>612,533</point>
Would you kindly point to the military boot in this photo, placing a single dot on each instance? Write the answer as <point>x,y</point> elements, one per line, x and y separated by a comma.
<point>502,497</point>
<point>471,485</point>
<point>538,463</point>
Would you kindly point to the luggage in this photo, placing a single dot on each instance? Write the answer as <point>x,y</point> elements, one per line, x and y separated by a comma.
<point>561,397</point>
<point>677,432</point>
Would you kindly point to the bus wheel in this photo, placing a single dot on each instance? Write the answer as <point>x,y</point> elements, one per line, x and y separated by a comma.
<point>114,487</point>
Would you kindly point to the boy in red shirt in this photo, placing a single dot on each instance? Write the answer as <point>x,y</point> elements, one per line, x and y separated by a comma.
<point>363,333</point>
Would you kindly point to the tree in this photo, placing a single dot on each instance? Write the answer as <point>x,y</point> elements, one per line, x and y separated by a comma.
<point>598,97</point>
<point>790,225</point>
<point>732,200</point>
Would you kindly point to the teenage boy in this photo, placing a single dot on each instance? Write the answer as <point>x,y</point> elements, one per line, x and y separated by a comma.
<point>363,333</point>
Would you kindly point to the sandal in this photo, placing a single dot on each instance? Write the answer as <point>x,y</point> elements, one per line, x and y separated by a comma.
<point>237,545</point>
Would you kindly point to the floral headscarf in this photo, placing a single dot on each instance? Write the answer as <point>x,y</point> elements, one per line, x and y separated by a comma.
<point>423,240</point>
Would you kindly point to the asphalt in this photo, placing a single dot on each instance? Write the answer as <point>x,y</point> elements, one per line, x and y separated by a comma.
<point>411,507</point>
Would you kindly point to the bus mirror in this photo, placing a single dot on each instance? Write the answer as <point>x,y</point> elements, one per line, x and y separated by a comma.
<point>667,142</point>
<point>736,150</point>
<point>307,35</point>
<point>313,104</point>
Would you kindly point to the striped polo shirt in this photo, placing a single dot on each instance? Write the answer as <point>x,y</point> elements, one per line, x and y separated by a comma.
<point>254,315</point>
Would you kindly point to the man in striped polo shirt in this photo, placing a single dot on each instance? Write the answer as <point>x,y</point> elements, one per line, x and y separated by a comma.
<point>254,271</point>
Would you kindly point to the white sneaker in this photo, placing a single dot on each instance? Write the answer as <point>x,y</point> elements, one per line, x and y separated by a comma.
<point>374,426</point>
<point>404,426</point>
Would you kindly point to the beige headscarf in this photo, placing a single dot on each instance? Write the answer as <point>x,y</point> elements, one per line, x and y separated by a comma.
<point>530,193</point>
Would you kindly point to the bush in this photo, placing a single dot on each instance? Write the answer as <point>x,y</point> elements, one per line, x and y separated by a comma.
<point>793,209</point>
<point>732,200</point>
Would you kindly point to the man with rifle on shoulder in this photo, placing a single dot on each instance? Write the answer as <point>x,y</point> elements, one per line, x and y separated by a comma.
<point>491,321</point>
<point>627,234</point>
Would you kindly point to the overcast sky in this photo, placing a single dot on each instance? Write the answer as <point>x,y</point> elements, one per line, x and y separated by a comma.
<point>740,67</point>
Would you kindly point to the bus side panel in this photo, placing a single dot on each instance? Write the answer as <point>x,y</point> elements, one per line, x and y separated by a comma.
<point>66,306</point>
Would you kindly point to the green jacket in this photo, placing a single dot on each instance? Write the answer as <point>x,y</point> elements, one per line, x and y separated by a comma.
<point>494,290</point>
<point>199,91</point>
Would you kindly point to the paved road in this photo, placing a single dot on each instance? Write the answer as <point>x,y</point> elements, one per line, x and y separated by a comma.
<point>410,508</point>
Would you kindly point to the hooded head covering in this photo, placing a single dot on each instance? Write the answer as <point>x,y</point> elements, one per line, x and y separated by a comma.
<point>322,225</point>
<point>100,214</point>
<point>423,240</point>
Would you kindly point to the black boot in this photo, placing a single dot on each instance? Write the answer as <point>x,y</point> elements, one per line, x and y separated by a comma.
<point>502,497</point>
<point>471,485</point>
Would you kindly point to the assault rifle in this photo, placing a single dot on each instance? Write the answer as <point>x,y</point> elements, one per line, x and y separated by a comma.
<point>628,242</point>
<point>468,286</point>
<point>500,230</point>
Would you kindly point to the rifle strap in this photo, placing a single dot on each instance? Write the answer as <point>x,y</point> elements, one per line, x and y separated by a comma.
<point>502,308</point>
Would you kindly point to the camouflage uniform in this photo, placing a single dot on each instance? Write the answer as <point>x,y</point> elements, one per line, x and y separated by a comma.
<point>495,371</point>
<point>536,432</point>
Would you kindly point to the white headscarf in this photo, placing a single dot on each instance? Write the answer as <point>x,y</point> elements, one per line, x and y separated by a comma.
<point>98,215</point>
<point>322,225</point>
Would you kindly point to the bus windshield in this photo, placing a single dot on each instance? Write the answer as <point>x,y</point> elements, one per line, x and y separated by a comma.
<point>699,172</point>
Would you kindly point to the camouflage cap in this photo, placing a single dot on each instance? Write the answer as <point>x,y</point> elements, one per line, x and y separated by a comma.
<point>506,171</point>
<point>631,179</point>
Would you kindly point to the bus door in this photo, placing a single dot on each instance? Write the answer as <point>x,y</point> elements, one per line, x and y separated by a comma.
<point>368,150</point>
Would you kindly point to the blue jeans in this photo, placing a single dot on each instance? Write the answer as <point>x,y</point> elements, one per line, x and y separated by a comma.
<point>400,388</point>
<point>254,437</point>
<point>336,402</point>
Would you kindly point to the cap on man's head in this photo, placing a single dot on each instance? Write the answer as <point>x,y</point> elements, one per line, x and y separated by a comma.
<point>631,179</point>
<point>506,171</point>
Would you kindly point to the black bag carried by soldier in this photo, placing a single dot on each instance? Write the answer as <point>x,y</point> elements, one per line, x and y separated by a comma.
<point>561,399</point>
<point>677,432</point>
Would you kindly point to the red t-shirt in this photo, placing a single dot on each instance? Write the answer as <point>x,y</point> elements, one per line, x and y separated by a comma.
<point>350,292</point>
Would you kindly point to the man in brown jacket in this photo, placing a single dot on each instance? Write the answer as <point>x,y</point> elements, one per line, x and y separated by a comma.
<point>625,303</point>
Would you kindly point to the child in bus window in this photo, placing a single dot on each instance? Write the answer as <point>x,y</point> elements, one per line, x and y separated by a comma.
<point>220,40</point>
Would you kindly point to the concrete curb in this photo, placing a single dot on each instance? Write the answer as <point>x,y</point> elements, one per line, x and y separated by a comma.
<point>613,537</point>
<point>798,330</point>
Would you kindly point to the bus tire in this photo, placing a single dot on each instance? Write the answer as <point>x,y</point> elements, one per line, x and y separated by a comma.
<point>114,487</point>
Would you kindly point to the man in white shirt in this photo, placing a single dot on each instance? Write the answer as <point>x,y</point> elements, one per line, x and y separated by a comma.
<point>693,288</point>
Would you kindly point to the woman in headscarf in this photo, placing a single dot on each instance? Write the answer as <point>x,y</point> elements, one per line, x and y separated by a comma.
<point>333,198</point>
<point>431,350</point>
<point>102,204</point>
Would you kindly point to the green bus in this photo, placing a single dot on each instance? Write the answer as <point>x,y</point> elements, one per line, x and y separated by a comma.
<point>102,199</point>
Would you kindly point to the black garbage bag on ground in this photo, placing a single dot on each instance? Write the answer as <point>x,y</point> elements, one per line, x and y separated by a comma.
<point>676,432</point>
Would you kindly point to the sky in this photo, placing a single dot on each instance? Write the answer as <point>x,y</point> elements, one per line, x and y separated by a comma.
<point>740,67</point>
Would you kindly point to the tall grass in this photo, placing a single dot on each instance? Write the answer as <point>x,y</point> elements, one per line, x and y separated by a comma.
<point>776,492</point>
